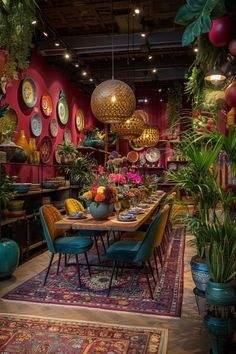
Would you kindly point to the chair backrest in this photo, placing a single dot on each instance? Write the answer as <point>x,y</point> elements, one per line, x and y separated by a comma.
<point>148,243</point>
<point>48,216</point>
<point>171,201</point>
<point>73,206</point>
<point>162,225</point>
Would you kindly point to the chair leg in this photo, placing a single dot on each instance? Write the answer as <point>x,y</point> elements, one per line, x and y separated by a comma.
<point>151,270</point>
<point>159,255</point>
<point>77,264</point>
<point>49,266</point>
<point>86,257</point>
<point>117,269</point>
<point>96,245</point>
<point>65,260</point>
<point>103,244</point>
<point>112,274</point>
<point>155,260</point>
<point>58,263</point>
<point>108,241</point>
<point>149,285</point>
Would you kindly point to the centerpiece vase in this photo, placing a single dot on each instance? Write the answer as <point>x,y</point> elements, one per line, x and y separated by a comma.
<point>100,211</point>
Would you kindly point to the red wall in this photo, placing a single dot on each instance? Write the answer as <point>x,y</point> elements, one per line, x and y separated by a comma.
<point>52,80</point>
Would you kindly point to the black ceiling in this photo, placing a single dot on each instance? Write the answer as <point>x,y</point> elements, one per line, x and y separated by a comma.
<point>90,31</point>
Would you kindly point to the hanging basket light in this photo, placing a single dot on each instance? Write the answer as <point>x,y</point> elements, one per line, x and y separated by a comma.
<point>113,101</point>
<point>148,138</point>
<point>132,128</point>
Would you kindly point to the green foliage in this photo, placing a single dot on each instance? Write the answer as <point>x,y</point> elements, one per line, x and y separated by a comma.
<point>67,149</point>
<point>5,187</point>
<point>221,257</point>
<point>174,103</point>
<point>196,14</point>
<point>16,32</point>
<point>80,171</point>
<point>194,85</point>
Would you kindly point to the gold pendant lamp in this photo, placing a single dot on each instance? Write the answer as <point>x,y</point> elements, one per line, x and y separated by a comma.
<point>132,128</point>
<point>113,101</point>
<point>148,138</point>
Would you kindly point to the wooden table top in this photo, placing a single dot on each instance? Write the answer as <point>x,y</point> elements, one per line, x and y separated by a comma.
<point>89,223</point>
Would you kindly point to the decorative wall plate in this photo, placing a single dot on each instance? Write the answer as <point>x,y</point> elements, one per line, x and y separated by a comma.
<point>153,154</point>
<point>62,109</point>
<point>36,125</point>
<point>45,149</point>
<point>142,158</point>
<point>57,157</point>
<point>79,120</point>
<point>54,128</point>
<point>67,135</point>
<point>29,92</point>
<point>132,156</point>
<point>134,147</point>
<point>46,104</point>
<point>172,166</point>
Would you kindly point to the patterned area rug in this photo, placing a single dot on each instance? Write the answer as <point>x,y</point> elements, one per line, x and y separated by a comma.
<point>23,334</point>
<point>129,290</point>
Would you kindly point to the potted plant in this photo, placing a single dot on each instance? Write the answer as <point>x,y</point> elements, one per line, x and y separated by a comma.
<point>9,249</point>
<point>80,171</point>
<point>220,320</point>
<point>67,151</point>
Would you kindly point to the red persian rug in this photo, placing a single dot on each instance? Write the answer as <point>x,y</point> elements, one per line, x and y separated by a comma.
<point>129,290</point>
<point>24,334</point>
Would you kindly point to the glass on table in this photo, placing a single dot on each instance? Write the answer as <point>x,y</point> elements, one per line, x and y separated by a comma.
<point>117,207</point>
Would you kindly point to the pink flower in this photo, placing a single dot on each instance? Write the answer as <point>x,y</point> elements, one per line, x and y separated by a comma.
<point>117,178</point>
<point>101,170</point>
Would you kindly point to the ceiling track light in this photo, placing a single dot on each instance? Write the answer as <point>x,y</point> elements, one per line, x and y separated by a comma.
<point>45,34</point>
<point>34,22</point>
<point>57,44</point>
<point>143,34</point>
<point>67,56</point>
<point>150,57</point>
<point>154,70</point>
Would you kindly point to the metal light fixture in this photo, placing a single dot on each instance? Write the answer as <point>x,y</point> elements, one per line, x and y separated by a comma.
<point>113,100</point>
<point>215,77</point>
<point>148,138</point>
<point>132,128</point>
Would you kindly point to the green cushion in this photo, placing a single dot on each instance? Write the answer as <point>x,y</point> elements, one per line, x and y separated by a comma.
<point>123,250</point>
<point>72,245</point>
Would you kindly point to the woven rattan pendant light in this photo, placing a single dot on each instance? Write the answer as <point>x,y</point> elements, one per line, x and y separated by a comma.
<point>148,138</point>
<point>132,128</point>
<point>113,101</point>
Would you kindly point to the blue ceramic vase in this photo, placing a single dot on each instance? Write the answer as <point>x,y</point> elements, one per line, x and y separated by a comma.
<point>100,211</point>
<point>9,257</point>
<point>200,273</point>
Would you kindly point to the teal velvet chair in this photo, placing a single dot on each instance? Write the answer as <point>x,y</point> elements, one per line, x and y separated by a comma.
<point>135,251</point>
<point>57,242</point>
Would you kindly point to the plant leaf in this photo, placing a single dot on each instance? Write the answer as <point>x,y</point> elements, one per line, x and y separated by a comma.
<point>201,25</point>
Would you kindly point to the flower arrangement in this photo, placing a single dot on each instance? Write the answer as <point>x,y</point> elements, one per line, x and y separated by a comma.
<point>117,178</point>
<point>134,178</point>
<point>100,194</point>
<point>88,131</point>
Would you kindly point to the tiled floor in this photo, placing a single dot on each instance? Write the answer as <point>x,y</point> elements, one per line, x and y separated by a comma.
<point>186,335</point>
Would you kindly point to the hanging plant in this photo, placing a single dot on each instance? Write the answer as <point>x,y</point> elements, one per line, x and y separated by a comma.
<point>16,32</point>
<point>174,103</point>
<point>194,85</point>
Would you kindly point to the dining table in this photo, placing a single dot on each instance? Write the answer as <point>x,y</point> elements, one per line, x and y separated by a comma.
<point>113,223</point>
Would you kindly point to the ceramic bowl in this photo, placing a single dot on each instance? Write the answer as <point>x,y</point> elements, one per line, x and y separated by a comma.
<point>21,187</point>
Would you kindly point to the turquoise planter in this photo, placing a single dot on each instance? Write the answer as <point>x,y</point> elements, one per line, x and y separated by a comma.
<point>200,273</point>
<point>9,257</point>
<point>100,212</point>
<point>220,332</point>
<point>88,142</point>
<point>221,294</point>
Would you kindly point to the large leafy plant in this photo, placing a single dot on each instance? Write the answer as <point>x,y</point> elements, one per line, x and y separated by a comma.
<point>16,33</point>
<point>197,14</point>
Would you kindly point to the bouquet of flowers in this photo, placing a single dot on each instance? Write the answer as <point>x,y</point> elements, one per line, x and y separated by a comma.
<point>134,178</point>
<point>100,194</point>
<point>117,178</point>
<point>88,131</point>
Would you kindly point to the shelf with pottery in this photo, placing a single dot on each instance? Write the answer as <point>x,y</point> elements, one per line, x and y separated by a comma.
<point>92,149</point>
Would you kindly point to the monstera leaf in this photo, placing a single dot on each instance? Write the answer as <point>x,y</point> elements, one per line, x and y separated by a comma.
<point>199,13</point>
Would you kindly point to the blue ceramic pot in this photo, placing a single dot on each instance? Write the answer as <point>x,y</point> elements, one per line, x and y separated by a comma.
<point>221,294</point>
<point>88,142</point>
<point>200,273</point>
<point>220,332</point>
<point>100,212</point>
<point>9,257</point>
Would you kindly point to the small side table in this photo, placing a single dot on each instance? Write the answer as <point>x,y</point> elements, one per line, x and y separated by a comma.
<point>199,294</point>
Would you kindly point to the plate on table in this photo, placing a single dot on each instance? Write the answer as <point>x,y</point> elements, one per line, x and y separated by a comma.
<point>132,156</point>
<point>46,104</point>
<point>127,217</point>
<point>54,128</point>
<point>36,125</point>
<point>77,216</point>
<point>62,109</point>
<point>29,92</point>
<point>134,147</point>
<point>136,210</point>
<point>45,149</point>
<point>79,120</point>
<point>67,135</point>
<point>153,154</point>
<point>144,206</point>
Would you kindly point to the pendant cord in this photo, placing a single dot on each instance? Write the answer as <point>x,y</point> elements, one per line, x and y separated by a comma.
<point>112,41</point>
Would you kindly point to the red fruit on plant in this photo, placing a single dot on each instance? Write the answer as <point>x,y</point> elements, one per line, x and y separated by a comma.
<point>232,47</point>
<point>222,31</point>
<point>230,95</point>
